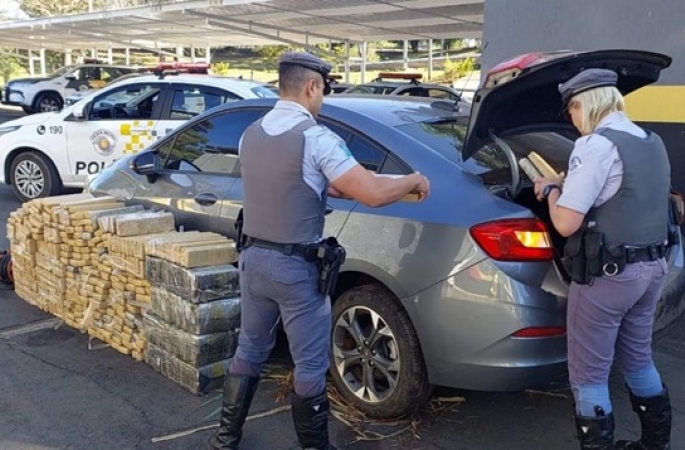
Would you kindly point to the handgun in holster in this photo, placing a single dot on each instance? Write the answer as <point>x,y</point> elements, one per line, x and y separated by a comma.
<point>240,239</point>
<point>331,256</point>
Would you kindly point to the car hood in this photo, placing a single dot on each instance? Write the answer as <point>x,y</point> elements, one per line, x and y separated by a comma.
<point>26,80</point>
<point>524,91</point>
<point>33,119</point>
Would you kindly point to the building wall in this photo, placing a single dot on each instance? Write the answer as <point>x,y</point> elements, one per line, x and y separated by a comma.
<point>519,26</point>
<point>513,27</point>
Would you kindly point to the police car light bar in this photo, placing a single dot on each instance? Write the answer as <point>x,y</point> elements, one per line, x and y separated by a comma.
<point>400,76</point>
<point>180,67</point>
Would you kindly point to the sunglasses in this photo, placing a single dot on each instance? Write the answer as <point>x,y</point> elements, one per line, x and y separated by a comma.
<point>567,110</point>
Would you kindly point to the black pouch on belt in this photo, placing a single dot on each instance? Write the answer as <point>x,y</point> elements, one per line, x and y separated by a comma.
<point>593,244</point>
<point>574,258</point>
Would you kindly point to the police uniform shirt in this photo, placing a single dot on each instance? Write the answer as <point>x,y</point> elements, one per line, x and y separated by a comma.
<point>326,156</point>
<point>595,170</point>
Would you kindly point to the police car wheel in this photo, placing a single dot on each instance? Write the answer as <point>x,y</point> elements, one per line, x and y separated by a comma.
<point>48,103</point>
<point>376,359</point>
<point>33,176</point>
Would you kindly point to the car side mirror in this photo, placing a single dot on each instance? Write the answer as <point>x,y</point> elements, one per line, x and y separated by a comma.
<point>81,110</point>
<point>147,163</point>
<point>70,76</point>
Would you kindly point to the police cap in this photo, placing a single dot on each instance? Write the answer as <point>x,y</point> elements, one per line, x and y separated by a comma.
<point>586,80</point>
<point>309,61</point>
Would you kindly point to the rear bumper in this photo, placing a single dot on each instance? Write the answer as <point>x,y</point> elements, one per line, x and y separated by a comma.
<point>465,326</point>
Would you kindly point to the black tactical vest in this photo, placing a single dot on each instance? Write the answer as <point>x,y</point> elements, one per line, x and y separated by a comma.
<point>279,206</point>
<point>638,214</point>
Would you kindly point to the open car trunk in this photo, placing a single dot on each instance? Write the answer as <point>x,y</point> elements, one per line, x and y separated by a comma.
<point>496,163</point>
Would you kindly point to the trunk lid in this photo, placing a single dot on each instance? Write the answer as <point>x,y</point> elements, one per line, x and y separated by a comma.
<point>523,91</point>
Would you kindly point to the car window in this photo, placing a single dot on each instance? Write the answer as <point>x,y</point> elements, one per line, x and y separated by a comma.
<point>412,92</point>
<point>441,93</point>
<point>366,153</point>
<point>133,101</point>
<point>190,101</point>
<point>344,133</point>
<point>210,145</point>
<point>370,89</point>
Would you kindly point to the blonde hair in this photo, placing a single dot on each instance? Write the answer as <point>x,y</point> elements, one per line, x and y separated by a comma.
<point>597,104</point>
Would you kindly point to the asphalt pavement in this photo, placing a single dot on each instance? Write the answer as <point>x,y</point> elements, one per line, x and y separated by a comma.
<point>60,391</point>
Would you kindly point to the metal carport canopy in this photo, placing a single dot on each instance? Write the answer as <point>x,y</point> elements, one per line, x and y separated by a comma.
<point>219,23</point>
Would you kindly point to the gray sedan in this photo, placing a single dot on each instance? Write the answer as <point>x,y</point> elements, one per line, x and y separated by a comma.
<point>464,289</point>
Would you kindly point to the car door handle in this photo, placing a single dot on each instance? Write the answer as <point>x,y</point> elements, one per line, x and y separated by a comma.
<point>205,199</point>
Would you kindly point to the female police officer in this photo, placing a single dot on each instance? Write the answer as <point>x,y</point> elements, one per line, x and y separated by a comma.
<point>614,208</point>
<point>289,165</point>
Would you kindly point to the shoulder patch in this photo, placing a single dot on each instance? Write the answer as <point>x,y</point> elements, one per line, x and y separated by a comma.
<point>344,148</point>
<point>575,163</point>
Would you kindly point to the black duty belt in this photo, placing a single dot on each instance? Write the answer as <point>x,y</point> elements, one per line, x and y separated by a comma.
<point>648,253</point>
<point>303,250</point>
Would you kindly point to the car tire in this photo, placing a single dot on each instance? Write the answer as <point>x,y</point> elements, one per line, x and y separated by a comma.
<point>391,361</point>
<point>48,102</point>
<point>27,109</point>
<point>33,175</point>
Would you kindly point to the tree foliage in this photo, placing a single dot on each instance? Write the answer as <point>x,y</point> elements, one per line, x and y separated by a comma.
<point>454,70</point>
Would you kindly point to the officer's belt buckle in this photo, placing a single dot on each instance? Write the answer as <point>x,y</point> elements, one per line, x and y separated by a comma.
<point>610,269</point>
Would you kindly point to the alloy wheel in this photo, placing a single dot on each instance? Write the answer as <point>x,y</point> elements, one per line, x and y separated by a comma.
<point>365,354</point>
<point>29,179</point>
<point>48,104</point>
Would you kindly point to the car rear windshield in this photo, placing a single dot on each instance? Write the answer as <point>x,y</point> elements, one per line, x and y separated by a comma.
<point>444,136</point>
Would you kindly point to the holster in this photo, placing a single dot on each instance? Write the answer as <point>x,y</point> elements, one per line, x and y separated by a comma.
<point>329,256</point>
<point>240,239</point>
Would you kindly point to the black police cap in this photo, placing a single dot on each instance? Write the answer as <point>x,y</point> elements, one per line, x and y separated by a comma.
<point>586,80</point>
<point>309,61</point>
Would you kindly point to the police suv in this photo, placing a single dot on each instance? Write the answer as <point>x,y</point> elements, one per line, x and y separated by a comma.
<point>48,94</point>
<point>42,154</point>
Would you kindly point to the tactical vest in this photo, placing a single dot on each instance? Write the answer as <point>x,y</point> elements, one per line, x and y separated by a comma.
<point>638,214</point>
<point>278,205</point>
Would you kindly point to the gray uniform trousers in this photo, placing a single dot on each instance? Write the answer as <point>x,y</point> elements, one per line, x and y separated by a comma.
<point>273,284</point>
<point>613,317</point>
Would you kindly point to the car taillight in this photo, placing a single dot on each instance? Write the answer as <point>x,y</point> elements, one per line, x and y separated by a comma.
<point>514,240</point>
<point>540,332</point>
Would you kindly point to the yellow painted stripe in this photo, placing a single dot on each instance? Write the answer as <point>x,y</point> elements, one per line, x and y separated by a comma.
<point>657,104</point>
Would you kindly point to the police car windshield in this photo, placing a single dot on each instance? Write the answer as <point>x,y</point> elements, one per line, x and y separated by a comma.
<point>61,71</point>
<point>265,91</point>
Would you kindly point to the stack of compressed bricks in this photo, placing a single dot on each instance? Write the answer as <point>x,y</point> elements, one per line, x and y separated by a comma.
<point>59,247</point>
<point>192,326</point>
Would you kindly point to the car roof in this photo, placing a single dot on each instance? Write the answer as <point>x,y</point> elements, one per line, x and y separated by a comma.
<point>392,111</point>
<point>204,80</point>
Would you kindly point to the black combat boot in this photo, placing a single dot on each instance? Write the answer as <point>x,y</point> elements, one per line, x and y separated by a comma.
<point>238,393</point>
<point>310,416</point>
<point>655,417</point>
<point>595,433</point>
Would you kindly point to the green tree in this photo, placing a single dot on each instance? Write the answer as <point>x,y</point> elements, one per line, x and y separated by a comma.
<point>454,70</point>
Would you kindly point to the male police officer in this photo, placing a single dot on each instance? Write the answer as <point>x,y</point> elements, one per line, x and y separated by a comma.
<point>615,210</point>
<point>289,165</point>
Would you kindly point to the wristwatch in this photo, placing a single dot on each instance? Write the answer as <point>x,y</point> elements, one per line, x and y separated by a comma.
<point>548,189</point>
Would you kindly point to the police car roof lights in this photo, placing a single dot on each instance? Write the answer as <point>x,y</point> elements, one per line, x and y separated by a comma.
<point>163,69</point>
<point>412,77</point>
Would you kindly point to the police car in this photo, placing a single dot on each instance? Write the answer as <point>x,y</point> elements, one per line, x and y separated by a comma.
<point>48,94</point>
<point>42,154</point>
